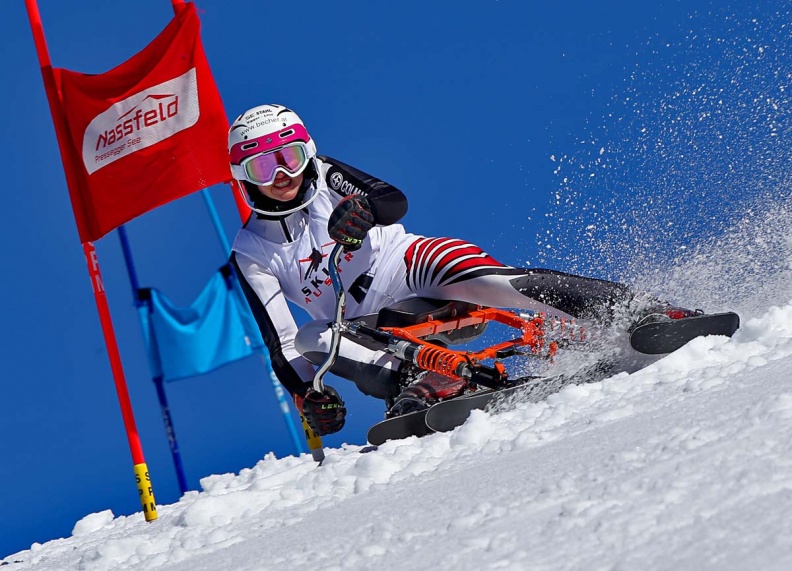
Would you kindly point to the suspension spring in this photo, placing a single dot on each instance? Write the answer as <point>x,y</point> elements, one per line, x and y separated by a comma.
<point>440,361</point>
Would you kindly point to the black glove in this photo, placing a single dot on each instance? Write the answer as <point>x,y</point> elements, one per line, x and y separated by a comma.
<point>350,221</point>
<point>325,412</point>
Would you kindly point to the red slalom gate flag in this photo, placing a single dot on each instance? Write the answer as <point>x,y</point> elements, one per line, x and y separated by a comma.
<point>145,133</point>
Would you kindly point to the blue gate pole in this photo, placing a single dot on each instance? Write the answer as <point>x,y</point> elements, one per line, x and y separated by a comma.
<point>143,306</point>
<point>280,394</point>
<point>171,433</point>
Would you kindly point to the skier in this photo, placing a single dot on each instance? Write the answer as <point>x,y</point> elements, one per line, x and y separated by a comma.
<point>302,205</point>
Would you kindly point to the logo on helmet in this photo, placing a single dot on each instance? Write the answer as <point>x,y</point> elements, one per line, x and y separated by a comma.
<point>141,120</point>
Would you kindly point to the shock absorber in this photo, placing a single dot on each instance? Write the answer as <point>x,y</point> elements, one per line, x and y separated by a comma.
<point>433,358</point>
<point>430,358</point>
<point>440,361</point>
<point>448,363</point>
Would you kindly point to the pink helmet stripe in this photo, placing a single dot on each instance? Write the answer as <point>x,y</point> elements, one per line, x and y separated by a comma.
<point>245,149</point>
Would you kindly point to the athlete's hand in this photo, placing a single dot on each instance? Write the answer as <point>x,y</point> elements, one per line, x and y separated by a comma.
<point>325,412</point>
<point>350,221</point>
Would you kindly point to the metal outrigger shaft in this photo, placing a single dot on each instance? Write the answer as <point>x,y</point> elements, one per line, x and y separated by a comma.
<point>338,318</point>
<point>314,440</point>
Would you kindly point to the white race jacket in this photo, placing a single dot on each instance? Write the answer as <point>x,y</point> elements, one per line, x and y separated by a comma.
<point>285,258</point>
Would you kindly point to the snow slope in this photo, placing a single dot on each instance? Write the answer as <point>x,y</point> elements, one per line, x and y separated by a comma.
<point>686,464</point>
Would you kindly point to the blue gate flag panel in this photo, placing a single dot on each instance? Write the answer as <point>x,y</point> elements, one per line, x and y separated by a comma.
<point>215,330</point>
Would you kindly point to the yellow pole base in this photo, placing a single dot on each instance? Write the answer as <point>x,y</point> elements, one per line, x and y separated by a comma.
<point>146,492</point>
<point>314,441</point>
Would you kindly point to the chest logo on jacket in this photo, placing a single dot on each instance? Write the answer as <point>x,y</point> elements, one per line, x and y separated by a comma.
<point>316,285</point>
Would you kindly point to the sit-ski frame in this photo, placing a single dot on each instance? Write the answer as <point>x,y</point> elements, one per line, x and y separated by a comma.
<point>408,343</point>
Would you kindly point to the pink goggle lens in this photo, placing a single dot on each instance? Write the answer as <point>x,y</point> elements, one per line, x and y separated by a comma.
<point>261,169</point>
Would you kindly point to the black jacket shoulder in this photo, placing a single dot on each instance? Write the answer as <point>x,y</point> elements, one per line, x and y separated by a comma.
<point>388,203</point>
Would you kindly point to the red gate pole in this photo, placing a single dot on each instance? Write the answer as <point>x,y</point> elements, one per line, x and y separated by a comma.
<point>141,470</point>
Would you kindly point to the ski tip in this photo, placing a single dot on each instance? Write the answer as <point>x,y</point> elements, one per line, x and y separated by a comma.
<point>662,337</point>
<point>398,428</point>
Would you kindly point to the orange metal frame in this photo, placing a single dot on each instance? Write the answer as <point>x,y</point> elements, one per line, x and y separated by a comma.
<point>446,361</point>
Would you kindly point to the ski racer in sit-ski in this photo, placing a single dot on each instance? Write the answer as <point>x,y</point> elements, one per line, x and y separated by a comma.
<point>303,204</point>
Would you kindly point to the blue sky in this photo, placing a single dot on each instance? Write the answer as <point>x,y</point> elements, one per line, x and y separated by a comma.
<point>503,122</point>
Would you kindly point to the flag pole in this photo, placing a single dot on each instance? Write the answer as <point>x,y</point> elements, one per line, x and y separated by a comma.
<point>142,477</point>
<point>143,307</point>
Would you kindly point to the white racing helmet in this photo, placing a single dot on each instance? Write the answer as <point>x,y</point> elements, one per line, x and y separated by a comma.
<point>262,141</point>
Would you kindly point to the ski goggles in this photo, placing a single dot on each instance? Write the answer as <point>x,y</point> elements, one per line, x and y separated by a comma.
<point>262,168</point>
